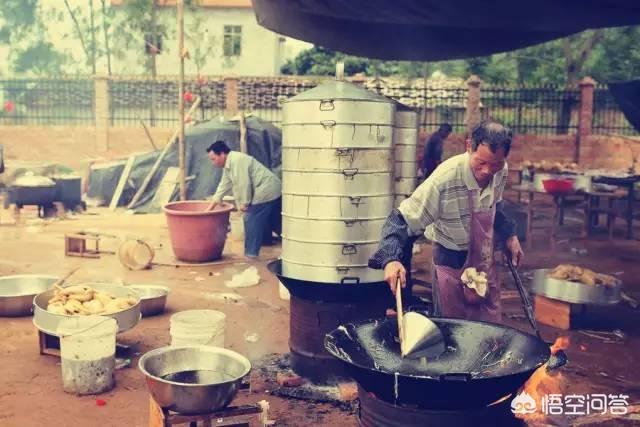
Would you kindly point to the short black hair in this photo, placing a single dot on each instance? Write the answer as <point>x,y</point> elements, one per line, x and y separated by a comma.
<point>219,147</point>
<point>492,133</point>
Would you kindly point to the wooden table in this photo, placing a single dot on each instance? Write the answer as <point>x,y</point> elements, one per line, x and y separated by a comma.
<point>558,215</point>
<point>628,183</point>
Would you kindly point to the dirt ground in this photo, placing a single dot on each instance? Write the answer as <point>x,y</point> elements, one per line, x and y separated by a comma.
<point>30,384</point>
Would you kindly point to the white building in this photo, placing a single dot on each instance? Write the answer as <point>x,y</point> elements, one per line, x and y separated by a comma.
<point>222,37</point>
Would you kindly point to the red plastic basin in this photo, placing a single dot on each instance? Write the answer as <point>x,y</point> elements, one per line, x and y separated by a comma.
<point>558,187</point>
<point>196,234</point>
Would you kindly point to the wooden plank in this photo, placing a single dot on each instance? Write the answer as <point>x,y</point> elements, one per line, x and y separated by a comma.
<point>166,188</point>
<point>553,313</point>
<point>124,177</point>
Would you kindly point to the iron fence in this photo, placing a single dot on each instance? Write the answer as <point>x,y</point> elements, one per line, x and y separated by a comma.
<point>263,97</point>
<point>542,110</point>
<point>528,110</point>
<point>155,102</point>
<point>607,117</point>
<point>47,102</point>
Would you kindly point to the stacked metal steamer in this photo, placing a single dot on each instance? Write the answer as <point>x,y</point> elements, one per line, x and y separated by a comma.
<point>405,142</point>
<point>337,190</point>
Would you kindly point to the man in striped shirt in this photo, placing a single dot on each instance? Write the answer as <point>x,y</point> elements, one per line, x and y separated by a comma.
<point>458,207</point>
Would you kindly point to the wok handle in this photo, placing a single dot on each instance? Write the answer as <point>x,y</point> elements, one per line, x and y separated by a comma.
<point>456,377</point>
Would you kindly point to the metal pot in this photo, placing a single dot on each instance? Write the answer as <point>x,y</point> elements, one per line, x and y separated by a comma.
<point>405,117</point>
<point>153,299</point>
<point>17,293</point>
<point>330,134</point>
<point>405,136</point>
<point>219,373</point>
<point>573,292</point>
<point>336,274</point>
<point>341,102</point>
<point>332,230</point>
<point>404,185</point>
<point>32,190</point>
<point>405,170</point>
<point>350,181</point>
<point>399,198</point>
<point>329,262</point>
<point>68,190</point>
<point>48,322</point>
<point>337,207</point>
<point>336,159</point>
<point>405,153</point>
<point>481,363</point>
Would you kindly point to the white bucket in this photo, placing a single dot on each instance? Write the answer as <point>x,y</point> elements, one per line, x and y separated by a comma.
<point>284,292</point>
<point>87,350</point>
<point>198,327</point>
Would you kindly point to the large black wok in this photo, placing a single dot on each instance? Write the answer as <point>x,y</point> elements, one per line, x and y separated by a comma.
<point>477,364</point>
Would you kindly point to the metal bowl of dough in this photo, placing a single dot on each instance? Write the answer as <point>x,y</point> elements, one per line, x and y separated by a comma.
<point>575,292</point>
<point>193,379</point>
<point>17,293</point>
<point>48,322</point>
<point>153,299</point>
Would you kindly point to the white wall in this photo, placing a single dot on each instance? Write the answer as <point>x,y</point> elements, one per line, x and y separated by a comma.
<point>262,51</point>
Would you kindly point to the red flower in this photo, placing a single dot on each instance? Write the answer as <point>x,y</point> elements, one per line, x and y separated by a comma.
<point>9,106</point>
<point>188,96</point>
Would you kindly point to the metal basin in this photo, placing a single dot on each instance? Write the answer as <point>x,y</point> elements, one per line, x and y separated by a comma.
<point>153,299</point>
<point>193,379</point>
<point>48,322</point>
<point>17,293</point>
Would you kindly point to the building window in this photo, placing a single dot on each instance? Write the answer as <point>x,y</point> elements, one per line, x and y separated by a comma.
<point>232,40</point>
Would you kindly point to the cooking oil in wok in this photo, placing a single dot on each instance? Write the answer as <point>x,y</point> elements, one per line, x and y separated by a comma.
<point>198,376</point>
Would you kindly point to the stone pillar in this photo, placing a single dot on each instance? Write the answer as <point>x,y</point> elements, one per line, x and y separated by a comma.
<point>231,96</point>
<point>101,90</point>
<point>585,117</point>
<point>473,115</point>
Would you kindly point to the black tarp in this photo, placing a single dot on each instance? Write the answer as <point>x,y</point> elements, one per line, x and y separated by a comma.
<point>263,142</point>
<point>627,96</point>
<point>430,30</point>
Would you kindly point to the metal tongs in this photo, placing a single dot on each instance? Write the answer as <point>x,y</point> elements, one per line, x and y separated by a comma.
<point>560,357</point>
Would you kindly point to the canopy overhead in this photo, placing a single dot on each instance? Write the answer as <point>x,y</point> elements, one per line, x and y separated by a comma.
<point>431,30</point>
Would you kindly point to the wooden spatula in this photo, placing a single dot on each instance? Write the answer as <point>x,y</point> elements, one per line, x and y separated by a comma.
<point>400,315</point>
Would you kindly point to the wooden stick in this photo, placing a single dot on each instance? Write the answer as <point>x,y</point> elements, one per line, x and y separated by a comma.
<point>59,282</point>
<point>181,53</point>
<point>124,176</point>
<point>400,315</point>
<point>146,130</point>
<point>163,153</point>
<point>243,133</point>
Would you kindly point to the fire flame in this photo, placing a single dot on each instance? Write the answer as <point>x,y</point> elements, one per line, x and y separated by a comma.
<point>544,382</point>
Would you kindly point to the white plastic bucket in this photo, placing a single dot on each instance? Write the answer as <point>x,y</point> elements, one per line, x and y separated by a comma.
<point>283,292</point>
<point>87,352</point>
<point>198,327</point>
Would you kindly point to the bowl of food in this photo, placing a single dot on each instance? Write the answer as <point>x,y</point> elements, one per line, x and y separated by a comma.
<point>17,293</point>
<point>193,379</point>
<point>558,187</point>
<point>153,298</point>
<point>87,299</point>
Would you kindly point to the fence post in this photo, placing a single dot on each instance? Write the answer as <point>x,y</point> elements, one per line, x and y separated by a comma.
<point>101,93</point>
<point>585,115</point>
<point>473,115</point>
<point>231,96</point>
